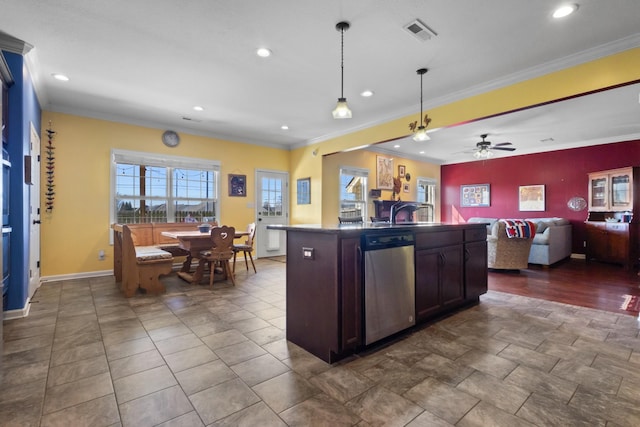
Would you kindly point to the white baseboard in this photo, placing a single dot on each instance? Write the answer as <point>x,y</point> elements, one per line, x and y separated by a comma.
<point>578,256</point>
<point>72,276</point>
<point>19,312</point>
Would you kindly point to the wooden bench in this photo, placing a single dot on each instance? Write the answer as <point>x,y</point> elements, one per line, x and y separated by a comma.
<point>142,254</point>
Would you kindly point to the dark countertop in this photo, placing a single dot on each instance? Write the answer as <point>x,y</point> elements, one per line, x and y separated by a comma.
<point>369,226</point>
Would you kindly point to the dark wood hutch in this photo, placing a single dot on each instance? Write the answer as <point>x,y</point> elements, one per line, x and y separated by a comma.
<point>613,234</point>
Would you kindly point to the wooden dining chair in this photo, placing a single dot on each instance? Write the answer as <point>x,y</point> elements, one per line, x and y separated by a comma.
<point>221,252</point>
<point>246,248</point>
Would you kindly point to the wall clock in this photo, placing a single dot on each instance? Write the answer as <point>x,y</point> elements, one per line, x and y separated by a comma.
<point>170,138</point>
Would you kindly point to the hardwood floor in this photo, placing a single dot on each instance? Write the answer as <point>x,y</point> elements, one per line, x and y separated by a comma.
<point>573,281</point>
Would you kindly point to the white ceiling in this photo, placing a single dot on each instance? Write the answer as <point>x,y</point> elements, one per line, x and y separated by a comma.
<point>148,62</point>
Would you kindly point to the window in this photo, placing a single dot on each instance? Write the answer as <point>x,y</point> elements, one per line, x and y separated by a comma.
<point>353,192</point>
<point>151,188</point>
<point>272,196</point>
<point>426,194</point>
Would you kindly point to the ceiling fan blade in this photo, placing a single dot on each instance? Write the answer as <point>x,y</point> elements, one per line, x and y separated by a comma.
<point>503,148</point>
<point>503,143</point>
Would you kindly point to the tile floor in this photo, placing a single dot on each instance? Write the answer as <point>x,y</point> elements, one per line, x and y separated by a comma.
<point>86,356</point>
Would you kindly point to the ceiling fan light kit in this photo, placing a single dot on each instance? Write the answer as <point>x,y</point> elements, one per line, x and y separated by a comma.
<point>484,149</point>
<point>342,110</point>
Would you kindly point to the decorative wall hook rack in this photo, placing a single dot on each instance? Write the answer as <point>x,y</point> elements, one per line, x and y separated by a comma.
<point>50,168</point>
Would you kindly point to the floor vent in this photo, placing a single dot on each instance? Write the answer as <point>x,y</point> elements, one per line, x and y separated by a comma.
<point>419,30</point>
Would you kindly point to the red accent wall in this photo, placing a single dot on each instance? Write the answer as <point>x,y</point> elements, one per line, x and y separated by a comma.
<point>563,172</point>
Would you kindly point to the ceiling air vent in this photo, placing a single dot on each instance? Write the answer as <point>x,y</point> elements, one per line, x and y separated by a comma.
<point>419,30</point>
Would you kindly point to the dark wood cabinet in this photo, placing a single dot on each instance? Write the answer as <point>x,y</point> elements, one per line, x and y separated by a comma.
<point>475,269</point>
<point>439,281</point>
<point>610,242</point>
<point>475,262</point>
<point>351,295</point>
<point>439,272</point>
<point>428,300</point>
<point>613,234</point>
<point>325,283</point>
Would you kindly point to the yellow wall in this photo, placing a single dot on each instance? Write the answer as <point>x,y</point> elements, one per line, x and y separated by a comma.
<point>78,227</point>
<point>605,72</point>
<point>367,160</point>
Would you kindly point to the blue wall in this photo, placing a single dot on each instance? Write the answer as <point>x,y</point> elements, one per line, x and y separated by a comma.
<point>24,109</point>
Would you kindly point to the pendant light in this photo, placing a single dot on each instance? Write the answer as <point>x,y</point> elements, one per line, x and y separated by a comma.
<point>342,110</point>
<point>421,131</point>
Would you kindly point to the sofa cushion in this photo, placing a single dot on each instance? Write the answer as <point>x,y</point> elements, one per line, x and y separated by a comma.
<point>541,239</point>
<point>540,227</point>
<point>151,253</point>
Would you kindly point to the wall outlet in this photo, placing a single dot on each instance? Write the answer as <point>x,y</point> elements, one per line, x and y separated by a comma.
<point>584,243</point>
<point>101,255</point>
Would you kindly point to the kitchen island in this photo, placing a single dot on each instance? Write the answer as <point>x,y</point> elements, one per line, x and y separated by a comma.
<point>329,289</point>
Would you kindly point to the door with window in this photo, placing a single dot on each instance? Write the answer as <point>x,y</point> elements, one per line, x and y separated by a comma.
<point>353,193</point>
<point>426,193</point>
<point>272,207</point>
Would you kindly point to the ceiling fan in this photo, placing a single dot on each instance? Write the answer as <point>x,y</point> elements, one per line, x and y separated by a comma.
<point>484,148</point>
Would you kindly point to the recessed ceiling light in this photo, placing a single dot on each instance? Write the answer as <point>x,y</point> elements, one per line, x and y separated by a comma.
<point>198,108</point>
<point>396,146</point>
<point>263,52</point>
<point>422,152</point>
<point>60,77</point>
<point>284,127</point>
<point>565,10</point>
<point>366,93</point>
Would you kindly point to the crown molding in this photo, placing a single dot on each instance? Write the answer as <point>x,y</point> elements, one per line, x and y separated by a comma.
<point>14,45</point>
<point>576,59</point>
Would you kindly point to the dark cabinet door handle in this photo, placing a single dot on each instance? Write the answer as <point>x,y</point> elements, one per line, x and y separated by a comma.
<point>36,221</point>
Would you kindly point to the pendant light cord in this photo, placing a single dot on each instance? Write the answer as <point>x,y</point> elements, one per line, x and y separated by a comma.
<point>421,76</point>
<point>342,63</point>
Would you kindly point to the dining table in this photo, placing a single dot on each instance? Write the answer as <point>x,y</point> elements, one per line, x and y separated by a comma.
<point>194,242</point>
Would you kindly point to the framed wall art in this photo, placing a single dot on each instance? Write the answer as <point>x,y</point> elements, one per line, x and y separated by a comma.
<point>401,171</point>
<point>304,191</point>
<point>531,198</point>
<point>237,185</point>
<point>476,195</point>
<point>384,173</point>
<point>405,187</point>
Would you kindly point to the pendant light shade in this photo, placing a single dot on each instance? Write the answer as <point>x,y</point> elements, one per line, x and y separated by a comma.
<point>342,110</point>
<point>421,131</point>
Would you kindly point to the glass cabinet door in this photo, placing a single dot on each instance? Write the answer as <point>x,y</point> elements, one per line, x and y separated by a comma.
<point>598,192</point>
<point>621,191</point>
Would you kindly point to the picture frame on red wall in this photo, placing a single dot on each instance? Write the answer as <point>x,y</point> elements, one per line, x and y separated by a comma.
<point>475,195</point>
<point>531,198</point>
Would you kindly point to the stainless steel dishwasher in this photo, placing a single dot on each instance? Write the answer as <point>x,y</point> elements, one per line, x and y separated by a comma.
<point>389,284</point>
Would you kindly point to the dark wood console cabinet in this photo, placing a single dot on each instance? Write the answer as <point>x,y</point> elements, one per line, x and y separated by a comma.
<point>614,194</point>
<point>325,291</point>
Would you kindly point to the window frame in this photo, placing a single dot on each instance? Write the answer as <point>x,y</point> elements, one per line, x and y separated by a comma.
<point>157,160</point>
<point>354,171</point>
<point>428,182</point>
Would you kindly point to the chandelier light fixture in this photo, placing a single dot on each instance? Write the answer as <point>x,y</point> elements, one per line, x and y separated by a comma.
<point>342,110</point>
<point>421,131</point>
